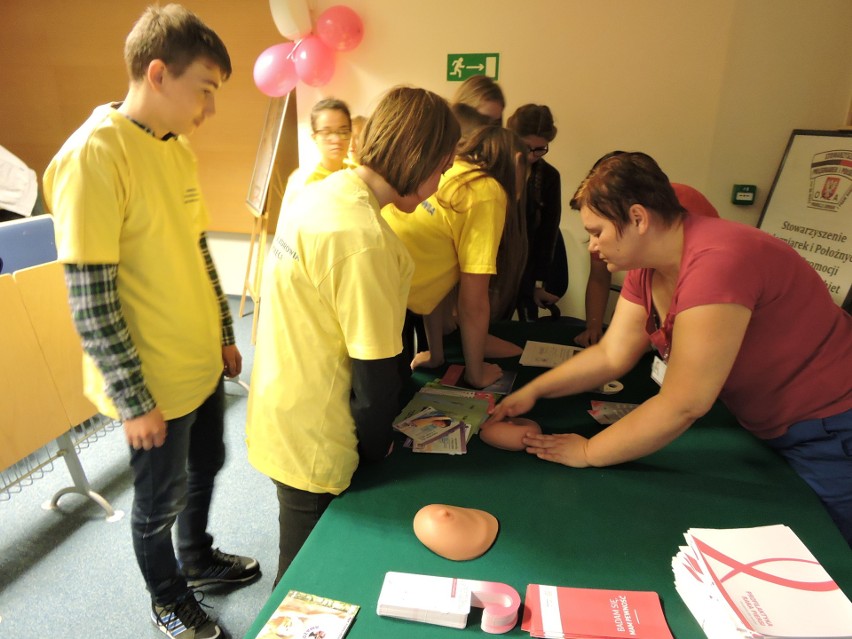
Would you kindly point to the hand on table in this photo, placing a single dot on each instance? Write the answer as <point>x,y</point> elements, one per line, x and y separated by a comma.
<point>589,337</point>
<point>146,431</point>
<point>568,449</point>
<point>488,374</point>
<point>426,360</point>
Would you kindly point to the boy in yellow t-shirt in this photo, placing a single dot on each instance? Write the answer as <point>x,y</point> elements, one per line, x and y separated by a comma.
<point>146,301</point>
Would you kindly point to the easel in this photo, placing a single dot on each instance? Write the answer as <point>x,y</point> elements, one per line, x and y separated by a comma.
<point>277,157</point>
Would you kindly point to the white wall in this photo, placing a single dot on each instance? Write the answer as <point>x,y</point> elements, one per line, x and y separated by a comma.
<point>710,88</point>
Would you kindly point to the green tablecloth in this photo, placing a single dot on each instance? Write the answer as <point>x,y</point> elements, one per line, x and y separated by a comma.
<point>613,527</point>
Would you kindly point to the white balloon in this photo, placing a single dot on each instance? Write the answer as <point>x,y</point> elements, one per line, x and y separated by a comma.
<point>291,17</point>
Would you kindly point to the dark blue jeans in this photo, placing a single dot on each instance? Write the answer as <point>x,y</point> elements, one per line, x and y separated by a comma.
<point>820,450</point>
<point>175,483</point>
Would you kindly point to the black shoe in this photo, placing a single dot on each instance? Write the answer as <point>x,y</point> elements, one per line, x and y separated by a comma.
<point>222,569</point>
<point>184,619</point>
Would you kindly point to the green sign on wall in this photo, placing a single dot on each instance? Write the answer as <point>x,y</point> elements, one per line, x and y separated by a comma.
<point>461,66</point>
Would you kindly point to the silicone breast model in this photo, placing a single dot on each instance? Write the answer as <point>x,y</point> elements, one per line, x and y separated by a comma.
<point>454,532</point>
<point>508,433</point>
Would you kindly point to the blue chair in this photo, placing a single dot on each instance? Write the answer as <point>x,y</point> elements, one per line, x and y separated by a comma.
<point>26,242</point>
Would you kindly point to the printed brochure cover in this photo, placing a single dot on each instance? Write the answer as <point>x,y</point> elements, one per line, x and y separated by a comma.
<point>304,616</point>
<point>773,583</point>
<point>560,611</point>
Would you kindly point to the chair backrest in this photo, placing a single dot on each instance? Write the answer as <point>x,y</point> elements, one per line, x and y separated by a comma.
<point>26,242</point>
<point>42,289</point>
<point>31,411</point>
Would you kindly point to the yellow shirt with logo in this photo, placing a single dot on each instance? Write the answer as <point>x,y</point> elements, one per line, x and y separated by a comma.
<point>120,196</point>
<point>455,231</point>
<point>335,291</point>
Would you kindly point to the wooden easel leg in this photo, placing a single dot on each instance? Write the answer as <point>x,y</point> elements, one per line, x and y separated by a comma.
<point>258,275</point>
<point>247,281</point>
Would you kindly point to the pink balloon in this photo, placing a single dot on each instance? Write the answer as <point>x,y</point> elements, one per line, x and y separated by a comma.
<point>274,71</point>
<point>314,61</point>
<point>340,28</point>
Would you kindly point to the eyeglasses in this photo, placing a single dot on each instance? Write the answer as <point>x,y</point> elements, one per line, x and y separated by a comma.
<point>327,134</point>
<point>539,151</point>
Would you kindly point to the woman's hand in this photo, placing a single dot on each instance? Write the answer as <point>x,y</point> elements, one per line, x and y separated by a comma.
<point>518,403</point>
<point>568,449</point>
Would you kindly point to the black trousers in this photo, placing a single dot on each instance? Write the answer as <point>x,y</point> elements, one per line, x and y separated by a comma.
<point>298,514</point>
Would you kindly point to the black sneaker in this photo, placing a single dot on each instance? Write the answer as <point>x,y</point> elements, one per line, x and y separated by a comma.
<point>222,569</point>
<point>184,619</point>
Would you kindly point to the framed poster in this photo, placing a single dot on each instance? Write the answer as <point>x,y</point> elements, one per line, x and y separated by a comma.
<point>810,206</point>
<point>277,156</point>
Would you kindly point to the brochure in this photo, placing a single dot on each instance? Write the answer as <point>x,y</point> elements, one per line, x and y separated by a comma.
<point>427,426</point>
<point>546,355</point>
<point>301,615</point>
<point>554,612</point>
<point>764,580</point>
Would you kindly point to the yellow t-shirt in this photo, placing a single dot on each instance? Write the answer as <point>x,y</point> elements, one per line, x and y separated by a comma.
<point>301,177</point>
<point>120,196</point>
<point>455,231</point>
<point>336,291</point>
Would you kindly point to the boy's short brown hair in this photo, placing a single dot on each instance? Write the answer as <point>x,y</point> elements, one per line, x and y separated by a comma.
<point>176,36</point>
<point>410,133</point>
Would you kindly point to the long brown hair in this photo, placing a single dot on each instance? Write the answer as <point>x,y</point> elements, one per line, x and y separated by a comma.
<point>497,154</point>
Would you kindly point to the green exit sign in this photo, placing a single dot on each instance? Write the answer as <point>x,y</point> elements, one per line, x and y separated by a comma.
<point>461,66</point>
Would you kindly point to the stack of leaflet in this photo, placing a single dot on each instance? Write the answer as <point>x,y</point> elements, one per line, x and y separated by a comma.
<point>442,601</point>
<point>446,601</point>
<point>431,431</point>
<point>557,612</point>
<point>758,582</point>
<point>466,407</point>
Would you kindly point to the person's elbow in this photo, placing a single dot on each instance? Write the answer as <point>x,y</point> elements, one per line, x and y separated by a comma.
<point>688,407</point>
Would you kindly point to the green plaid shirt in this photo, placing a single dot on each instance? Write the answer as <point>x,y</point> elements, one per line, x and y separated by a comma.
<point>96,309</point>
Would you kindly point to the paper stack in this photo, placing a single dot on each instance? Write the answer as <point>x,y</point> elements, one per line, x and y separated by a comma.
<point>758,582</point>
<point>432,431</point>
<point>443,601</point>
<point>466,408</point>
<point>446,601</point>
<point>557,612</point>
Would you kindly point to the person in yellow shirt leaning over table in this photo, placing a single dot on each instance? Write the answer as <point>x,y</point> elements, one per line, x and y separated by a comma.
<point>470,234</point>
<point>328,367</point>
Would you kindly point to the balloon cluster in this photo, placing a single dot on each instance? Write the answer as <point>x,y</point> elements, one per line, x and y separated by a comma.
<point>310,57</point>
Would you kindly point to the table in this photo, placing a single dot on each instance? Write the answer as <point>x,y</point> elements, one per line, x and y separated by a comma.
<point>615,527</point>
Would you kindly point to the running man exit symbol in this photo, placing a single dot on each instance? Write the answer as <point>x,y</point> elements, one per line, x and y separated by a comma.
<point>461,66</point>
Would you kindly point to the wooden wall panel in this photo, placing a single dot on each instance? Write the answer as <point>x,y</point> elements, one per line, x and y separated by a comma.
<point>61,59</point>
